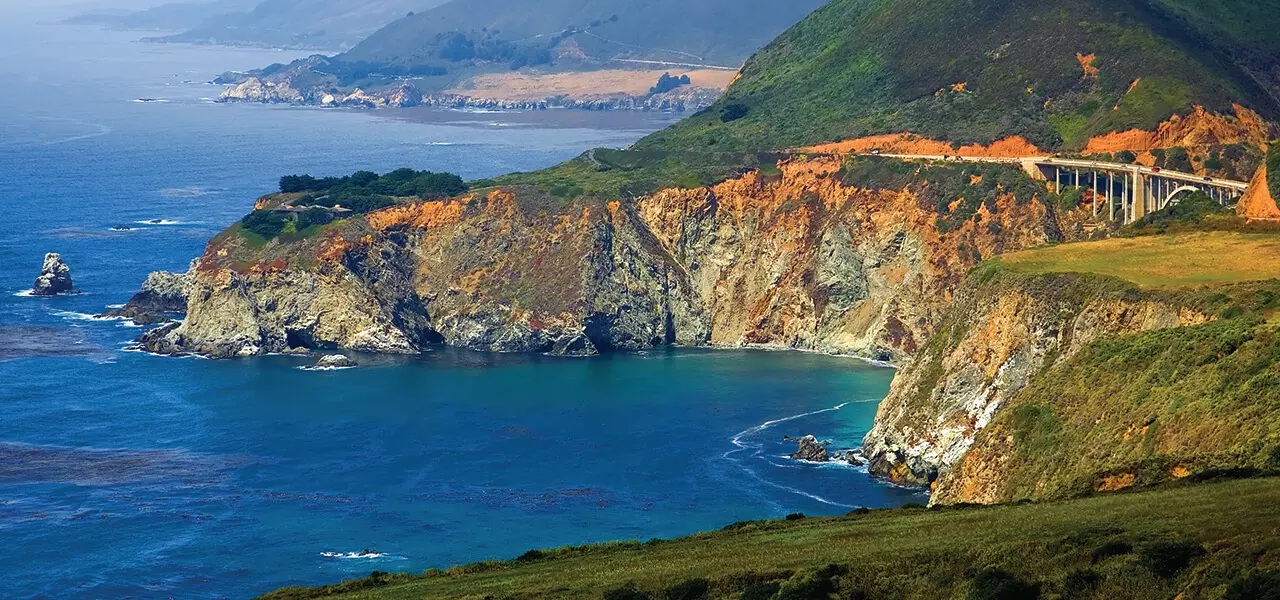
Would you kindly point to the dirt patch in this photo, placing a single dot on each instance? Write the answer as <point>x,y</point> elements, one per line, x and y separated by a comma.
<point>909,143</point>
<point>524,87</point>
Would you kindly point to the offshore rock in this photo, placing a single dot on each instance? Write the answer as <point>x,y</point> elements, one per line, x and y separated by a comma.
<point>163,294</point>
<point>811,450</point>
<point>55,277</point>
<point>334,361</point>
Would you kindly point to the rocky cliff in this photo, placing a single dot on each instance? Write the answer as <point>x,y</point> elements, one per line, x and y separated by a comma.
<point>799,259</point>
<point>998,335</point>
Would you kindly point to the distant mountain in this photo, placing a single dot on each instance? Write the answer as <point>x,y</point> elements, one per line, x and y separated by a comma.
<point>323,24</point>
<point>172,16</point>
<point>723,32</point>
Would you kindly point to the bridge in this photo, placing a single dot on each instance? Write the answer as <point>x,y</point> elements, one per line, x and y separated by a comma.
<point>1121,191</point>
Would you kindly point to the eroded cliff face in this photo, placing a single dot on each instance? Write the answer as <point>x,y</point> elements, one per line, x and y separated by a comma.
<point>796,260</point>
<point>998,335</point>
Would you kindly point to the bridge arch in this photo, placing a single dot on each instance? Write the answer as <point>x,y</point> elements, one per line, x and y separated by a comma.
<point>1173,199</point>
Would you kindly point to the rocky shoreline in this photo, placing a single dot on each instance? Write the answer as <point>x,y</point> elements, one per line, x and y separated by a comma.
<point>406,95</point>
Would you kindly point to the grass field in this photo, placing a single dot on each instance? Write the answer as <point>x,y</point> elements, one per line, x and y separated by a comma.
<point>1114,546</point>
<point>1181,259</point>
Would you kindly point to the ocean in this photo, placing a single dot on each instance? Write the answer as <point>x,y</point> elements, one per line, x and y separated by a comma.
<point>124,475</point>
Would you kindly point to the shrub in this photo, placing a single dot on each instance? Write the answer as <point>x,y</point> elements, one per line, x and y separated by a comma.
<point>689,589</point>
<point>913,506</point>
<point>1258,586</point>
<point>760,591</point>
<point>531,556</point>
<point>1079,583</point>
<point>627,592</point>
<point>1110,549</point>
<point>1125,156</point>
<point>266,223</point>
<point>795,516</point>
<point>818,585</point>
<point>733,112</point>
<point>1168,558</point>
<point>861,510</point>
<point>995,584</point>
<point>1273,170</point>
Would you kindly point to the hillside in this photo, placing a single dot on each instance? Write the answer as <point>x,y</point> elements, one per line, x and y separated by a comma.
<point>710,32</point>
<point>439,52</point>
<point>321,24</point>
<point>1056,73</point>
<point>1193,542</point>
<point>172,16</point>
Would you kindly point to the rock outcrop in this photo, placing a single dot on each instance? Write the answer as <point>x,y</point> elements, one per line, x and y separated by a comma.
<point>998,335</point>
<point>162,295</point>
<point>798,260</point>
<point>334,361</point>
<point>810,449</point>
<point>54,278</point>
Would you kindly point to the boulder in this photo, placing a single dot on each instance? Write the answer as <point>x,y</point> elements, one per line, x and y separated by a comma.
<point>162,294</point>
<point>811,450</point>
<point>55,277</point>
<point>334,361</point>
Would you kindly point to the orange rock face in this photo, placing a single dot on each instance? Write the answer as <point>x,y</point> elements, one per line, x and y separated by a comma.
<point>1197,130</point>
<point>1257,204</point>
<point>908,143</point>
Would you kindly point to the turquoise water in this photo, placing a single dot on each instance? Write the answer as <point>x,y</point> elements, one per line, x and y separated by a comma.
<point>126,475</point>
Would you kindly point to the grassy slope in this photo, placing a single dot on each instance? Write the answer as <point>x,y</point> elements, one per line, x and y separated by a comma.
<point>1182,259</point>
<point>873,66</point>
<point>905,553</point>
<point>1146,408</point>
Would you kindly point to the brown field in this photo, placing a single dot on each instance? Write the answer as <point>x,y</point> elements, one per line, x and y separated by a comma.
<point>581,85</point>
<point>1162,260</point>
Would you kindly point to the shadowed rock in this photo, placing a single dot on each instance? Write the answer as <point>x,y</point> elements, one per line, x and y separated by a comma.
<point>811,450</point>
<point>163,294</point>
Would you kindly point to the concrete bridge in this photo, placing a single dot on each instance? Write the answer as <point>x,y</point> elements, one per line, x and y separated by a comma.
<point>1121,191</point>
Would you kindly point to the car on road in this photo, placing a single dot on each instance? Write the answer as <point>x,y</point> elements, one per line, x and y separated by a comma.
<point>1155,169</point>
<point>876,151</point>
<point>1208,179</point>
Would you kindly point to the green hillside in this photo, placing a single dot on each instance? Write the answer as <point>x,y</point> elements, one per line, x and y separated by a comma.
<point>1199,541</point>
<point>858,67</point>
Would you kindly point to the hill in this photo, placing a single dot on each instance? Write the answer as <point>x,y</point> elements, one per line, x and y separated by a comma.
<point>1195,542</point>
<point>714,32</point>
<point>322,24</point>
<point>172,16</point>
<point>1056,73</point>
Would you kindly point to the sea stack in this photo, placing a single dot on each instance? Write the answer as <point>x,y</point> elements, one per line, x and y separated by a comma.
<point>55,277</point>
<point>811,450</point>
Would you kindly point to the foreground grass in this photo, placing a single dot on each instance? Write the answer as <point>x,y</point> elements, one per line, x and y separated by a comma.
<point>1114,546</point>
<point>1181,259</point>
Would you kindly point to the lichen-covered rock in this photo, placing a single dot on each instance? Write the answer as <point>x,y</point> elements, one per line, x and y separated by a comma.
<point>162,294</point>
<point>811,450</point>
<point>54,278</point>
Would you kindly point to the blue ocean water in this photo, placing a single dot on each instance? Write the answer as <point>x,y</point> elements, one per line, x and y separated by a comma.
<point>127,475</point>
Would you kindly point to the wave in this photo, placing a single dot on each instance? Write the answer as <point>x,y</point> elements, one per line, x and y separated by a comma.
<point>159,222</point>
<point>28,294</point>
<point>738,440</point>
<point>441,144</point>
<point>150,101</point>
<point>314,368</point>
<point>363,555</point>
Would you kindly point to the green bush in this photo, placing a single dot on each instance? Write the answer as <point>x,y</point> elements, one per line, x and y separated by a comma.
<point>689,589</point>
<point>733,112</point>
<point>1126,157</point>
<point>1258,586</point>
<point>266,223</point>
<point>760,591</point>
<point>995,584</point>
<point>1110,549</point>
<point>1168,558</point>
<point>627,592</point>
<point>795,516</point>
<point>1080,583</point>
<point>1273,170</point>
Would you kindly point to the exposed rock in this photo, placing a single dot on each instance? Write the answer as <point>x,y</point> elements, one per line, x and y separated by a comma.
<point>811,450</point>
<point>994,340</point>
<point>792,261</point>
<point>162,294</point>
<point>55,277</point>
<point>334,361</point>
